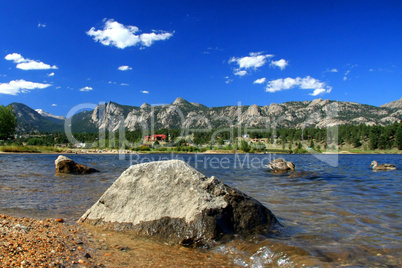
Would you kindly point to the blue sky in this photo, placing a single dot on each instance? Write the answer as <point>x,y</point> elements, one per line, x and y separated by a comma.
<point>58,54</point>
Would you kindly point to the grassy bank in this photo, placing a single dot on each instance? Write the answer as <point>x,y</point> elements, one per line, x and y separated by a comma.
<point>29,149</point>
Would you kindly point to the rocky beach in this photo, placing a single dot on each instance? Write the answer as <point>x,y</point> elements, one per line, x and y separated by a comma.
<point>28,242</point>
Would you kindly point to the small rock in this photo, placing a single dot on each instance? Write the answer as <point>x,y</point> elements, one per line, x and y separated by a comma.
<point>66,165</point>
<point>59,220</point>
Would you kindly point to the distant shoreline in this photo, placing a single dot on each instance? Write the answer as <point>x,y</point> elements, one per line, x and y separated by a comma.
<point>115,152</point>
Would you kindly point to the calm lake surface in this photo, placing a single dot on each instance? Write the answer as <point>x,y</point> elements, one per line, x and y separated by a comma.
<point>335,211</point>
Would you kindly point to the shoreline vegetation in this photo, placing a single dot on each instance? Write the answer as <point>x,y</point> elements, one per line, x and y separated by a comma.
<point>22,149</point>
<point>358,139</point>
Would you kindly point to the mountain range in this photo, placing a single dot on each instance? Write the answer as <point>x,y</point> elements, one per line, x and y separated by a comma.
<point>184,114</point>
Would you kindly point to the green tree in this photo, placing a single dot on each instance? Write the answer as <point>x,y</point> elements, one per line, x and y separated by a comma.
<point>399,138</point>
<point>8,122</point>
<point>244,146</point>
<point>356,142</point>
<point>374,135</point>
<point>220,141</point>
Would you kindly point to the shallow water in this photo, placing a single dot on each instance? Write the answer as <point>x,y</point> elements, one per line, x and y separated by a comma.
<point>334,209</point>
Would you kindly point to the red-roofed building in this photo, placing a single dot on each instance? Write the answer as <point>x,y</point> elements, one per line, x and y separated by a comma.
<point>156,137</point>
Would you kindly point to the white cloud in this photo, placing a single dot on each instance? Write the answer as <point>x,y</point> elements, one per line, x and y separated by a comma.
<point>240,72</point>
<point>35,65</point>
<point>255,60</point>
<point>303,83</point>
<point>86,89</point>
<point>282,63</point>
<point>41,25</point>
<point>124,68</point>
<point>20,86</point>
<point>318,91</point>
<point>333,70</point>
<point>259,81</point>
<point>121,36</point>
<point>144,91</point>
<point>228,80</point>
<point>27,64</point>
<point>51,74</point>
<point>54,105</point>
<point>345,78</point>
<point>124,84</point>
<point>15,57</point>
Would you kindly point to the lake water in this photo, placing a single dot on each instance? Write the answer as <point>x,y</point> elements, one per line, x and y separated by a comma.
<point>335,211</point>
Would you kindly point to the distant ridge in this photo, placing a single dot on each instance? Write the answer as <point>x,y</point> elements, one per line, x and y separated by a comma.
<point>29,120</point>
<point>295,114</point>
<point>184,114</point>
<point>394,104</point>
<point>46,114</point>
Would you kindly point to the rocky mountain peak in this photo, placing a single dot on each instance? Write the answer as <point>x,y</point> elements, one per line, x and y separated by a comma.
<point>145,106</point>
<point>319,102</point>
<point>253,110</point>
<point>393,104</point>
<point>180,101</point>
<point>46,114</point>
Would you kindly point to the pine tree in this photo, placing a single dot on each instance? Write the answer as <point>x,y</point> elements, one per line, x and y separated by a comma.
<point>398,137</point>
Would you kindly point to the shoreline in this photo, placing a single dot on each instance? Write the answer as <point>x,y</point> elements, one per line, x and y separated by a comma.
<point>30,242</point>
<point>27,242</point>
<point>90,152</point>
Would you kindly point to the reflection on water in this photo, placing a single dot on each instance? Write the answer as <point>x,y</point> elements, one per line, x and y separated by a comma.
<point>344,214</point>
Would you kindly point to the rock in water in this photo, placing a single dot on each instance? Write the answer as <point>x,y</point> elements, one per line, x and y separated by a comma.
<point>172,201</point>
<point>66,165</point>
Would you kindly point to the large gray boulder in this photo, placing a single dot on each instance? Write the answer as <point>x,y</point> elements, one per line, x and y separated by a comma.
<point>66,165</point>
<point>174,202</point>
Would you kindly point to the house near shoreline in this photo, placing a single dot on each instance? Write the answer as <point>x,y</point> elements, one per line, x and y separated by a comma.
<point>155,137</point>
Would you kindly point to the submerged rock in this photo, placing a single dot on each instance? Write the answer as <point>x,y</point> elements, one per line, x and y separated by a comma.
<point>173,201</point>
<point>66,165</point>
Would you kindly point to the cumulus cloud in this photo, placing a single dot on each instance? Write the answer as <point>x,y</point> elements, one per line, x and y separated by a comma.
<point>240,72</point>
<point>28,64</point>
<point>254,60</point>
<point>144,91</point>
<point>84,89</point>
<point>124,68</point>
<point>51,74</point>
<point>259,81</point>
<point>54,105</point>
<point>121,36</point>
<point>303,83</point>
<point>15,57</point>
<point>20,86</point>
<point>41,25</point>
<point>282,63</point>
